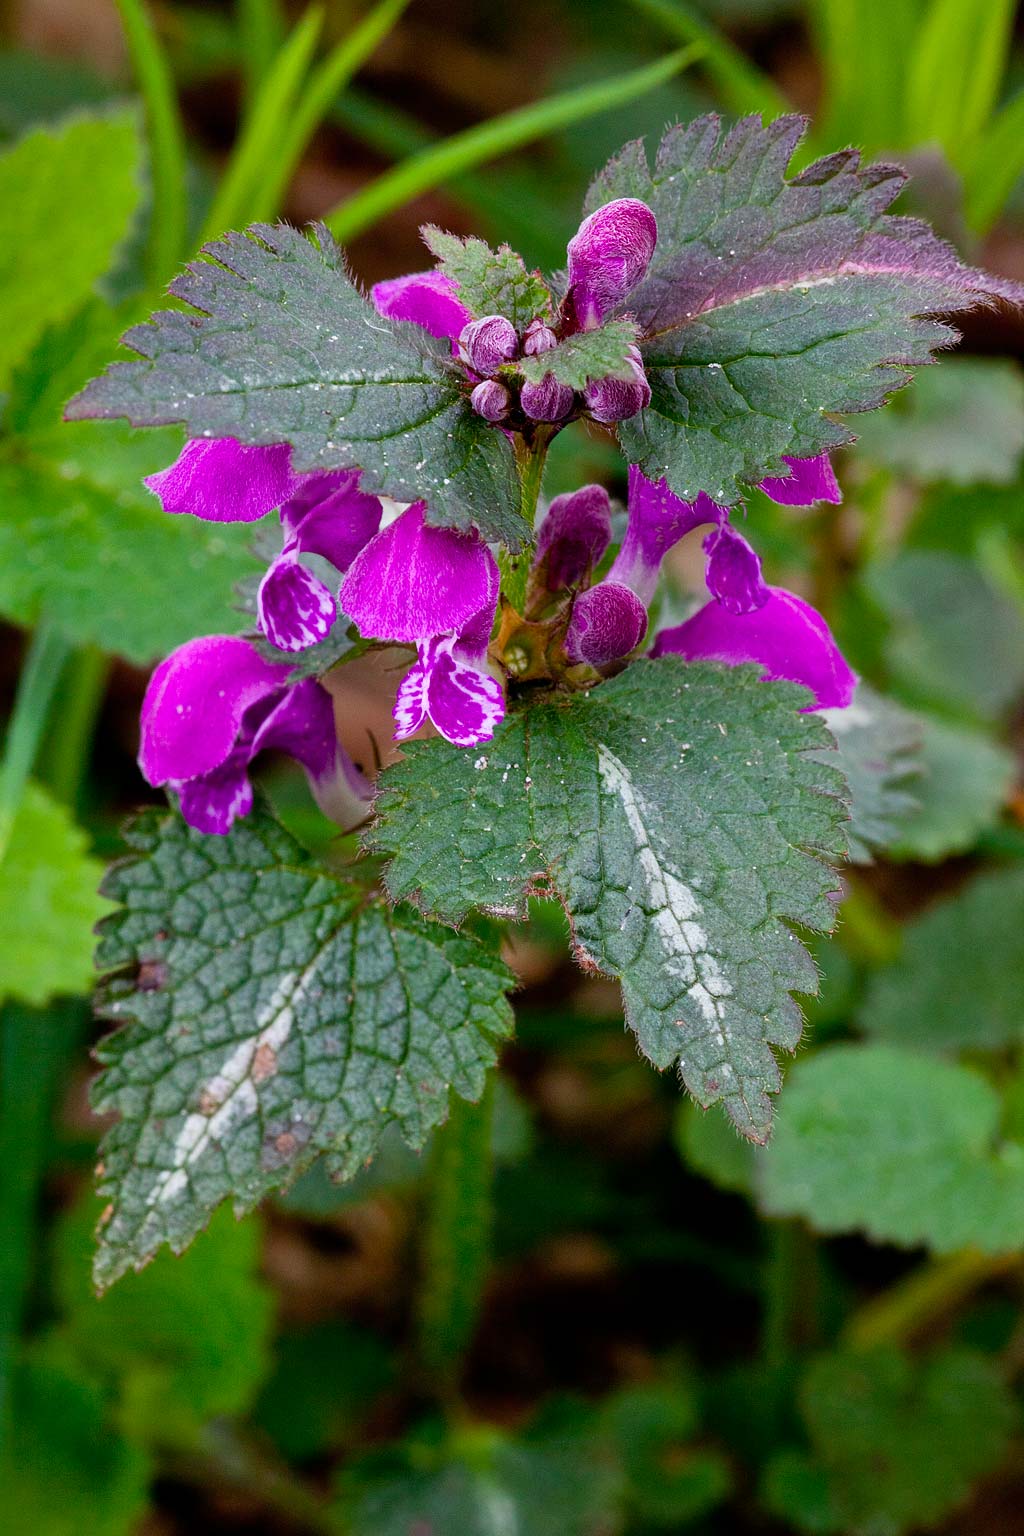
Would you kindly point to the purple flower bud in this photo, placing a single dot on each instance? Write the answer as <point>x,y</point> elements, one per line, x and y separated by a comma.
<point>485,344</point>
<point>733,573</point>
<point>610,400</point>
<point>575,533</point>
<point>786,635</point>
<point>491,400</point>
<point>548,400</point>
<point>608,256</point>
<point>608,621</point>
<point>538,338</point>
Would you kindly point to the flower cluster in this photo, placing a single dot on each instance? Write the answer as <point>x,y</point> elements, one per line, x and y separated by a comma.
<point>350,556</point>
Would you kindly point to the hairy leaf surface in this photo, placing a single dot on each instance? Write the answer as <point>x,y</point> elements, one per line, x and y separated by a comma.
<point>599,354</point>
<point>490,282</point>
<point>772,303</point>
<point>671,810</point>
<point>274,1011</point>
<point>282,347</point>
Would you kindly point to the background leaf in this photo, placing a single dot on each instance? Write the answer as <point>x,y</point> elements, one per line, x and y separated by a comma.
<point>82,217</point>
<point>959,979</point>
<point>905,1148</point>
<point>48,883</point>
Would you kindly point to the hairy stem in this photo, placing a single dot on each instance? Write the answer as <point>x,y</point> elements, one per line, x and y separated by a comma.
<point>456,1239</point>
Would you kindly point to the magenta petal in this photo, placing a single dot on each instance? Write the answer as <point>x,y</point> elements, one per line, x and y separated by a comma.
<point>811,480</point>
<point>212,802</point>
<point>293,607</point>
<point>413,581</point>
<point>608,255</point>
<point>608,621</point>
<point>302,725</point>
<point>330,516</point>
<point>193,708</point>
<point>733,572</point>
<point>658,519</point>
<point>574,534</point>
<point>220,480</point>
<point>424,298</point>
<point>464,701</point>
<point>787,636</point>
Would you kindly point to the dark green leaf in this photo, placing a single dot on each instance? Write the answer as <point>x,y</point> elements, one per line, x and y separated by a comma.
<point>599,354</point>
<point>898,1443</point>
<point>670,810</point>
<point>959,979</point>
<point>903,1147</point>
<point>490,282</point>
<point>772,303</point>
<point>273,1011</point>
<point>877,743</point>
<point>284,348</point>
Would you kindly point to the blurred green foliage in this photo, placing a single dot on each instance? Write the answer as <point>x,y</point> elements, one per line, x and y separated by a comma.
<point>674,1331</point>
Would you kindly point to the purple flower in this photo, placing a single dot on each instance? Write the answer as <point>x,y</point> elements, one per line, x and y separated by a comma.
<point>608,621</point>
<point>212,706</point>
<point>811,480</point>
<point>574,534</point>
<point>610,400</point>
<point>438,590</point>
<point>222,481</point>
<point>424,298</point>
<point>733,571</point>
<point>484,345</point>
<point>608,256</point>
<point>787,636</point>
<point>548,400</point>
<point>328,516</point>
<point>658,519</point>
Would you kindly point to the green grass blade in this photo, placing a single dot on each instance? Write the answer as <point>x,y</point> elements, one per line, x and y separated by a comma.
<point>324,86</point>
<point>864,47</point>
<point>504,204</point>
<point>47,654</point>
<point>261,32</point>
<point>956,72</point>
<point>265,123</point>
<point>486,141</point>
<point>742,86</point>
<point>995,167</point>
<point>168,229</point>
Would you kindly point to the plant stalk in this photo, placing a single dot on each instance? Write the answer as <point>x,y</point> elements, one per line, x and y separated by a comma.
<point>47,653</point>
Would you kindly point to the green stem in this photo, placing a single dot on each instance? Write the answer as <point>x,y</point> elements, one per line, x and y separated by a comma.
<point>47,653</point>
<point>79,696</point>
<point>456,1239</point>
<point>168,229</point>
<point>790,1292</point>
<point>923,1297</point>
<point>486,141</point>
